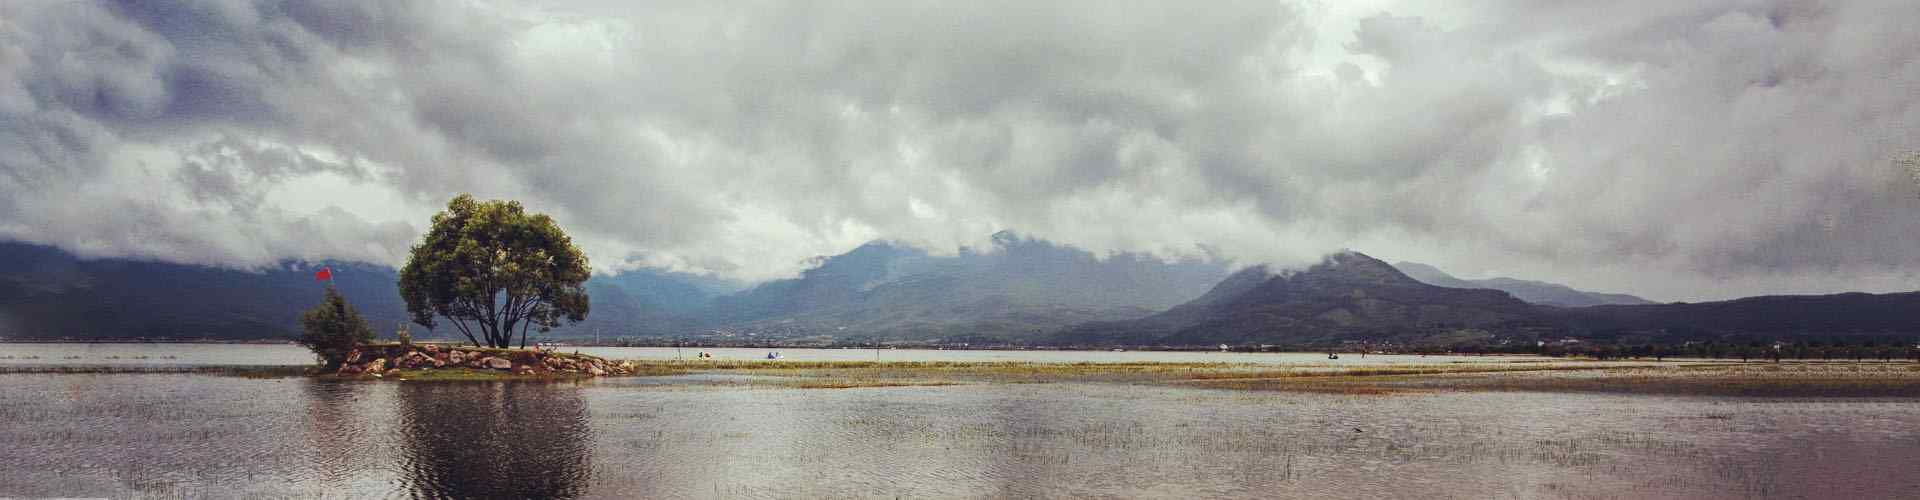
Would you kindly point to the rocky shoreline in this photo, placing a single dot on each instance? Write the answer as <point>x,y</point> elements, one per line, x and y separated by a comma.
<point>383,360</point>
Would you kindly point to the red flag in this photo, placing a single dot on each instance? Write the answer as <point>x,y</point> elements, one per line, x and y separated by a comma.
<point>325,274</point>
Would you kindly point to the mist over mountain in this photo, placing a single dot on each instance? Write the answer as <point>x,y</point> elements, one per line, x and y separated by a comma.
<point>1018,291</point>
<point>48,293</point>
<point>1019,288</point>
<point>1536,292</point>
<point>1349,295</point>
<point>1893,315</point>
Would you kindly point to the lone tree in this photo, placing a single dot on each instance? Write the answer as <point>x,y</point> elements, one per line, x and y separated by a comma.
<point>333,329</point>
<point>492,270</point>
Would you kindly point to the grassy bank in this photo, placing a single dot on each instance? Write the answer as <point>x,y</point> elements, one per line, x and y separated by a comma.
<point>1735,379</point>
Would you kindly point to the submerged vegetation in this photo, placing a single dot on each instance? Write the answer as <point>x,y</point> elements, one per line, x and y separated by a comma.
<point>1812,379</point>
<point>1690,377</point>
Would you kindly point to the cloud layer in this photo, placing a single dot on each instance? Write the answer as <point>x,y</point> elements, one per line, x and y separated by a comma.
<point>1674,149</point>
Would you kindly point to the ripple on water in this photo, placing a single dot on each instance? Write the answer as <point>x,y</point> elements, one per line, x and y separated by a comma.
<point>201,436</point>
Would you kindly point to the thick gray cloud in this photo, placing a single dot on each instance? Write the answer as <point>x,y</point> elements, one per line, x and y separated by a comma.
<point>1675,149</point>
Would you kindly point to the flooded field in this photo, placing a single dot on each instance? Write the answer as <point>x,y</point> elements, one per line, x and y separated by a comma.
<point>18,354</point>
<point>724,434</point>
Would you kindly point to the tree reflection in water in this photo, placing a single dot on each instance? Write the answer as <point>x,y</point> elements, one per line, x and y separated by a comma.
<point>494,440</point>
<point>335,428</point>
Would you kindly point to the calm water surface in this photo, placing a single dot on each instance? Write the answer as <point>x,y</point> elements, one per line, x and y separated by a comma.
<point>203,436</point>
<point>282,354</point>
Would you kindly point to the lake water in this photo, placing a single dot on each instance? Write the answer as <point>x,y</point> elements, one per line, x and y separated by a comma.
<point>205,436</point>
<point>290,355</point>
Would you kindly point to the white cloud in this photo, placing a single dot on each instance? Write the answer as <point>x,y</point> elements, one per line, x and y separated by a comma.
<point>1681,150</point>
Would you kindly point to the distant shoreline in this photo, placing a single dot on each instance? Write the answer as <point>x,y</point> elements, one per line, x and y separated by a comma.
<point>723,345</point>
<point>147,341</point>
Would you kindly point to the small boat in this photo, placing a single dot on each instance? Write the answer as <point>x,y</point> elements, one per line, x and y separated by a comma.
<point>1333,356</point>
<point>773,355</point>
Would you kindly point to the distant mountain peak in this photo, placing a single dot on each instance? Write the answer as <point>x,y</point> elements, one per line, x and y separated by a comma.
<point>1356,260</point>
<point>1353,267</point>
<point>1537,292</point>
<point>1347,295</point>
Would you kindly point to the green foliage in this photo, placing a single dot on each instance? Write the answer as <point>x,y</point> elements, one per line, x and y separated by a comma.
<point>333,328</point>
<point>494,270</point>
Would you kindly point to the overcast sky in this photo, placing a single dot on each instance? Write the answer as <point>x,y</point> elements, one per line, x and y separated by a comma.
<point>1678,150</point>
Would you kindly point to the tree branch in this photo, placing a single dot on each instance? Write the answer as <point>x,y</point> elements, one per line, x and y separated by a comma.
<point>462,325</point>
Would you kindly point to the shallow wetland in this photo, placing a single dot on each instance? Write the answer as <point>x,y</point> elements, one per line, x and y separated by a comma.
<point>933,428</point>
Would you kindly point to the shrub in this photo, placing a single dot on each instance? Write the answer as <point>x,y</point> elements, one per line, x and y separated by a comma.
<point>333,329</point>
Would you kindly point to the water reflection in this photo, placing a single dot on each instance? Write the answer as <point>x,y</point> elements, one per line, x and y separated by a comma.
<point>336,428</point>
<point>498,440</point>
<point>194,436</point>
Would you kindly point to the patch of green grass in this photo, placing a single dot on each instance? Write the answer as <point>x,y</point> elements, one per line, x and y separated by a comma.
<point>1719,379</point>
<point>1866,379</point>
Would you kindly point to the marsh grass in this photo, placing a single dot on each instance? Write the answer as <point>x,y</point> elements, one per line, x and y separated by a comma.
<point>1742,380</point>
<point>1677,378</point>
<point>1810,379</point>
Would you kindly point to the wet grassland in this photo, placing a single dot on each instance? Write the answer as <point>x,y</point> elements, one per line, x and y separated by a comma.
<point>1495,374</point>
<point>1756,379</point>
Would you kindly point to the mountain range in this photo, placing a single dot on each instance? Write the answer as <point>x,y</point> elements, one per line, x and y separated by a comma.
<point>48,293</point>
<point>1348,295</point>
<point>1537,292</point>
<point>1018,290</point>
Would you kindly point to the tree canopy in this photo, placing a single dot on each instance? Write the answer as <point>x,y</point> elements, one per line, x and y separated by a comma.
<point>333,328</point>
<point>493,270</point>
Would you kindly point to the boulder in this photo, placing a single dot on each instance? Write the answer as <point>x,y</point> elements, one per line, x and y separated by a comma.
<point>595,370</point>
<point>457,357</point>
<point>499,364</point>
<point>377,366</point>
<point>430,348</point>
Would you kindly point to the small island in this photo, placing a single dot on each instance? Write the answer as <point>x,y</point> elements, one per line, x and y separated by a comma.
<point>493,271</point>
<point>425,361</point>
